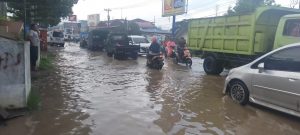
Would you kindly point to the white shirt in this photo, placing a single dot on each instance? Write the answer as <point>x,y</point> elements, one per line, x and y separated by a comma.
<point>35,38</point>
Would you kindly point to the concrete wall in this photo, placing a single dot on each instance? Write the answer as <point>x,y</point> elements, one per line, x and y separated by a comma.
<point>15,79</point>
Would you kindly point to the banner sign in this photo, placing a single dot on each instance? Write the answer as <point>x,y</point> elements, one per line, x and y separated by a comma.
<point>73,18</point>
<point>93,20</point>
<point>173,7</point>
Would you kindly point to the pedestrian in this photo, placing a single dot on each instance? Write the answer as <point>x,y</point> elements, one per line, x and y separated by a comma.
<point>34,39</point>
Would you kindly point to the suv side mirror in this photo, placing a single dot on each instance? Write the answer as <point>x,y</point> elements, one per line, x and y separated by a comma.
<point>261,67</point>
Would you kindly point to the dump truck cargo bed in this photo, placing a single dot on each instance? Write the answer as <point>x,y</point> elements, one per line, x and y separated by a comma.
<point>250,34</point>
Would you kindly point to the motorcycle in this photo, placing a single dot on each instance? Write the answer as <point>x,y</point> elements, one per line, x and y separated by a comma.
<point>186,57</point>
<point>155,61</point>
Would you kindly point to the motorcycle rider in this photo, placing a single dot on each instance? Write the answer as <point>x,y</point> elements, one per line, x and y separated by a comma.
<point>170,47</point>
<point>181,47</point>
<point>154,48</point>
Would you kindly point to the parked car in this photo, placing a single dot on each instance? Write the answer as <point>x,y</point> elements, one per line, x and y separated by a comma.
<point>141,41</point>
<point>117,45</point>
<point>56,38</point>
<point>272,80</point>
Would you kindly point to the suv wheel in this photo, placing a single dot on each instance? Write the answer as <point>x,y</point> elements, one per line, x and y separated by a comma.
<point>239,92</point>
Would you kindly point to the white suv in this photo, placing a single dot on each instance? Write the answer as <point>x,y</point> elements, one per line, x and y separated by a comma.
<point>142,41</point>
<point>55,38</point>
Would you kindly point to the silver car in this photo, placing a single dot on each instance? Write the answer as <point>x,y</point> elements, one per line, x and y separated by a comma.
<point>272,80</point>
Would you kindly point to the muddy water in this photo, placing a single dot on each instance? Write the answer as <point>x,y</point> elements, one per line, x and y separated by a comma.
<point>90,93</point>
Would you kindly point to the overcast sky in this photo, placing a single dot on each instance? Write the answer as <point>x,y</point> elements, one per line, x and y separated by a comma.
<point>150,9</point>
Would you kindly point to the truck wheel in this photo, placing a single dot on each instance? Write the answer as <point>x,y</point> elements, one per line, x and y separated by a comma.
<point>212,66</point>
<point>135,56</point>
<point>109,54</point>
<point>117,56</point>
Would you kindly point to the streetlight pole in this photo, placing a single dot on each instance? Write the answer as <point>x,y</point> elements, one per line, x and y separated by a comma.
<point>174,26</point>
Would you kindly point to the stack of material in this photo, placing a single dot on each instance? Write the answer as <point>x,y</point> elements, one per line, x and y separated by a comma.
<point>11,30</point>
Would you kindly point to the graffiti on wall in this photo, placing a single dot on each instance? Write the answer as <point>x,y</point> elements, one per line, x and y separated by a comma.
<point>8,60</point>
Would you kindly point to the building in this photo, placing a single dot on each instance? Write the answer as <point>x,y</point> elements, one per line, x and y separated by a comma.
<point>84,26</point>
<point>182,29</point>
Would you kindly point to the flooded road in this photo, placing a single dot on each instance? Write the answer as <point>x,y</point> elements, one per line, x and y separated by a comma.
<point>92,94</point>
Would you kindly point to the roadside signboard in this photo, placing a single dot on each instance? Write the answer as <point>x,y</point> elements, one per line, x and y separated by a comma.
<point>173,7</point>
<point>93,20</point>
<point>73,18</point>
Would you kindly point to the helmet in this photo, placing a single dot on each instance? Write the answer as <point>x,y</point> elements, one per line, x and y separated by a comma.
<point>154,39</point>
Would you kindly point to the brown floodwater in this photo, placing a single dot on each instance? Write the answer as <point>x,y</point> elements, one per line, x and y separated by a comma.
<point>92,94</point>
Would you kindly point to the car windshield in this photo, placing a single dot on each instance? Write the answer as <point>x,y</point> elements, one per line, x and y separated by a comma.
<point>58,34</point>
<point>140,40</point>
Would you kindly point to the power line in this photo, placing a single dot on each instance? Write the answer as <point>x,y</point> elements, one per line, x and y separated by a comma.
<point>210,6</point>
<point>137,5</point>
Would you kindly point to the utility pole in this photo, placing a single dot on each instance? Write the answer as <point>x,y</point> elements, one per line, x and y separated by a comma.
<point>25,18</point>
<point>121,13</point>
<point>108,16</point>
<point>174,26</point>
<point>217,10</point>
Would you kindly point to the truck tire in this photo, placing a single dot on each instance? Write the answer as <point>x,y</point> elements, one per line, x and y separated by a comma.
<point>109,54</point>
<point>117,56</point>
<point>135,56</point>
<point>212,66</point>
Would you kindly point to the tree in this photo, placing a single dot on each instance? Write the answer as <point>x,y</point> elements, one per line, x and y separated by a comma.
<point>45,12</point>
<point>249,6</point>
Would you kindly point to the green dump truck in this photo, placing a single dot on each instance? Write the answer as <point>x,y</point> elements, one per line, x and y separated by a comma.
<point>230,41</point>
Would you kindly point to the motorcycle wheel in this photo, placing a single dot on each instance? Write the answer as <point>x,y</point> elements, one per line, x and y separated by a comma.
<point>175,60</point>
<point>160,65</point>
<point>189,62</point>
<point>148,64</point>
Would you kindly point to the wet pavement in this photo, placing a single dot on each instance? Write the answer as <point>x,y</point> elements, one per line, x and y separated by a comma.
<point>92,94</point>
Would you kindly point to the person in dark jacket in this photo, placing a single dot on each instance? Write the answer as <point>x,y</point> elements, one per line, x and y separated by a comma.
<point>181,46</point>
<point>154,47</point>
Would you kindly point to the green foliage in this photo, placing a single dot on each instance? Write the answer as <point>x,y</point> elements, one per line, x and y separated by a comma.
<point>34,100</point>
<point>3,18</point>
<point>249,6</point>
<point>45,12</point>
<point>47,63</point>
